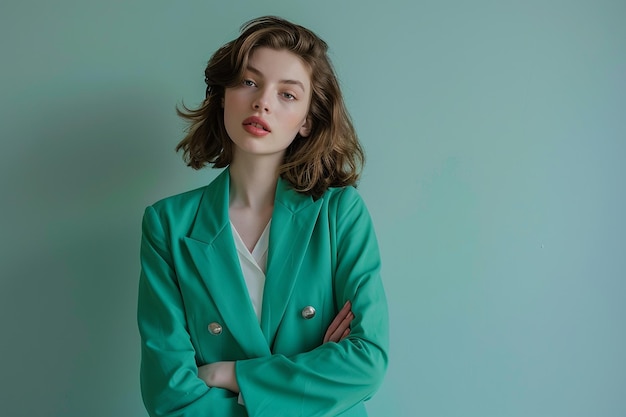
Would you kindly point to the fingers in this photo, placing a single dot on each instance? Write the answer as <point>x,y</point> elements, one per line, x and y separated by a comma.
<point>340,326</point>
<point>345,334</point>
<point>343,327</point>
<point>334,325</point>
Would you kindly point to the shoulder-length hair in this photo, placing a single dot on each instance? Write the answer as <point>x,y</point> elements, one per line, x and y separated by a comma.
<point>330,156</point>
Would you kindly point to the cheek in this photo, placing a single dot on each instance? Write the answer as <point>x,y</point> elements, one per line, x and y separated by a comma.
<point>231,103</point>
<point>233,99</point>
<point>297,117</point>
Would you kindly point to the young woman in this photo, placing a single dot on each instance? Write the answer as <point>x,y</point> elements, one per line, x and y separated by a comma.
<point>260,294</point>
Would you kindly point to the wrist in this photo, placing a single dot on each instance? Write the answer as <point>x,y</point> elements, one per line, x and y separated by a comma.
<point>230,377</point>
<point>219,375</point>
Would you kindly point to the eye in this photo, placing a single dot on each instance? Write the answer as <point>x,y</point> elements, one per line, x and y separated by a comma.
<point>288,96</point>
<point>249,83</point>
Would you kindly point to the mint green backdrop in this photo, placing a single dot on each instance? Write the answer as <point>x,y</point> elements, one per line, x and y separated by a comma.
<point>496,137</point>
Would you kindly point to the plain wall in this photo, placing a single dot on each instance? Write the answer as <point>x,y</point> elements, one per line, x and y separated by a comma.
<point>496,141</point>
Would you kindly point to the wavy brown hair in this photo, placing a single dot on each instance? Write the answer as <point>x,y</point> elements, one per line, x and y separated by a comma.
<point>330,156</point>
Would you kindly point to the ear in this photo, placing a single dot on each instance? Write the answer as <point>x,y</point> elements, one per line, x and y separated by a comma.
<point>305,129</point>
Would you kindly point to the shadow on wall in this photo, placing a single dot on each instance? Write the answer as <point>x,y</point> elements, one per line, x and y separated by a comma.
<point>77,181</point>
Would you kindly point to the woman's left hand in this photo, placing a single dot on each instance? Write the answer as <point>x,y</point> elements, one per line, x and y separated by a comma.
<point>219,375</point>
<point>222,374</point>
<point>339,329</point>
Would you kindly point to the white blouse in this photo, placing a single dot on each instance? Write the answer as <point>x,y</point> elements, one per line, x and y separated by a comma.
<point>253,266</point>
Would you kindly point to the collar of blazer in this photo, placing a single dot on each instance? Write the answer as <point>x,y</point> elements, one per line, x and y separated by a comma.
<point>211,246</point>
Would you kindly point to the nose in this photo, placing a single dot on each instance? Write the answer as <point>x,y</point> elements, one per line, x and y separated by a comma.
<point>262,101</point>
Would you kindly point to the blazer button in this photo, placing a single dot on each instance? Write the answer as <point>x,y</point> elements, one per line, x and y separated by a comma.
<point>215,328</point>
<point>308,312</point>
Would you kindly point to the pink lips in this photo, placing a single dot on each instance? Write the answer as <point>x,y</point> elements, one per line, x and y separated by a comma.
<point>256,126</point>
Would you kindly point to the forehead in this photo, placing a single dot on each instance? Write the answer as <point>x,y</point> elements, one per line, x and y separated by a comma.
<point>279,64</point>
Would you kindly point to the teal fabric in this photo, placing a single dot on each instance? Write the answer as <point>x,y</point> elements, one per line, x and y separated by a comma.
<point>321,253</point>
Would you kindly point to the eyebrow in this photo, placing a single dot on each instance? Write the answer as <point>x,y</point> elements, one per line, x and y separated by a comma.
<point>292,82</point>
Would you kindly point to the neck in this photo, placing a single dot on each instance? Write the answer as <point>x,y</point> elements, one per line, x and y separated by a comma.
<point>253,183</point>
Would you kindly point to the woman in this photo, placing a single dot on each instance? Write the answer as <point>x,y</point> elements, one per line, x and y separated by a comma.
<point>260,293</point>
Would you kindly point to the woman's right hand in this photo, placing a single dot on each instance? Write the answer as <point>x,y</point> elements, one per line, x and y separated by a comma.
<point>339,329</point>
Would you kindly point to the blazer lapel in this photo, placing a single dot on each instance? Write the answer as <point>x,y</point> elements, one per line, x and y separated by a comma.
<point>293,220</point>
<point>211,246</point>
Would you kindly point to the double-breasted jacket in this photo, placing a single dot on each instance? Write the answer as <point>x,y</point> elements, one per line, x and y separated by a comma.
<point>194,307</point>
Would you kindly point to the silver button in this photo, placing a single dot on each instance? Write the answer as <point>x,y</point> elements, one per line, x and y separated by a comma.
<point>215,328</point>
<point>308,312</point>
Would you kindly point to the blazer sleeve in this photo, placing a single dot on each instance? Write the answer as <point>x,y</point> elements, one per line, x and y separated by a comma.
<point>169,376</point>
<point>335,376</point>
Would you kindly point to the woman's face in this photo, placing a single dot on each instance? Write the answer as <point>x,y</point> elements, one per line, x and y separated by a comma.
<point>269,108</point>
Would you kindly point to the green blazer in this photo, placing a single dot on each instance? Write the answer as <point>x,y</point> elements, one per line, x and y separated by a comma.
<point>321,253</point>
